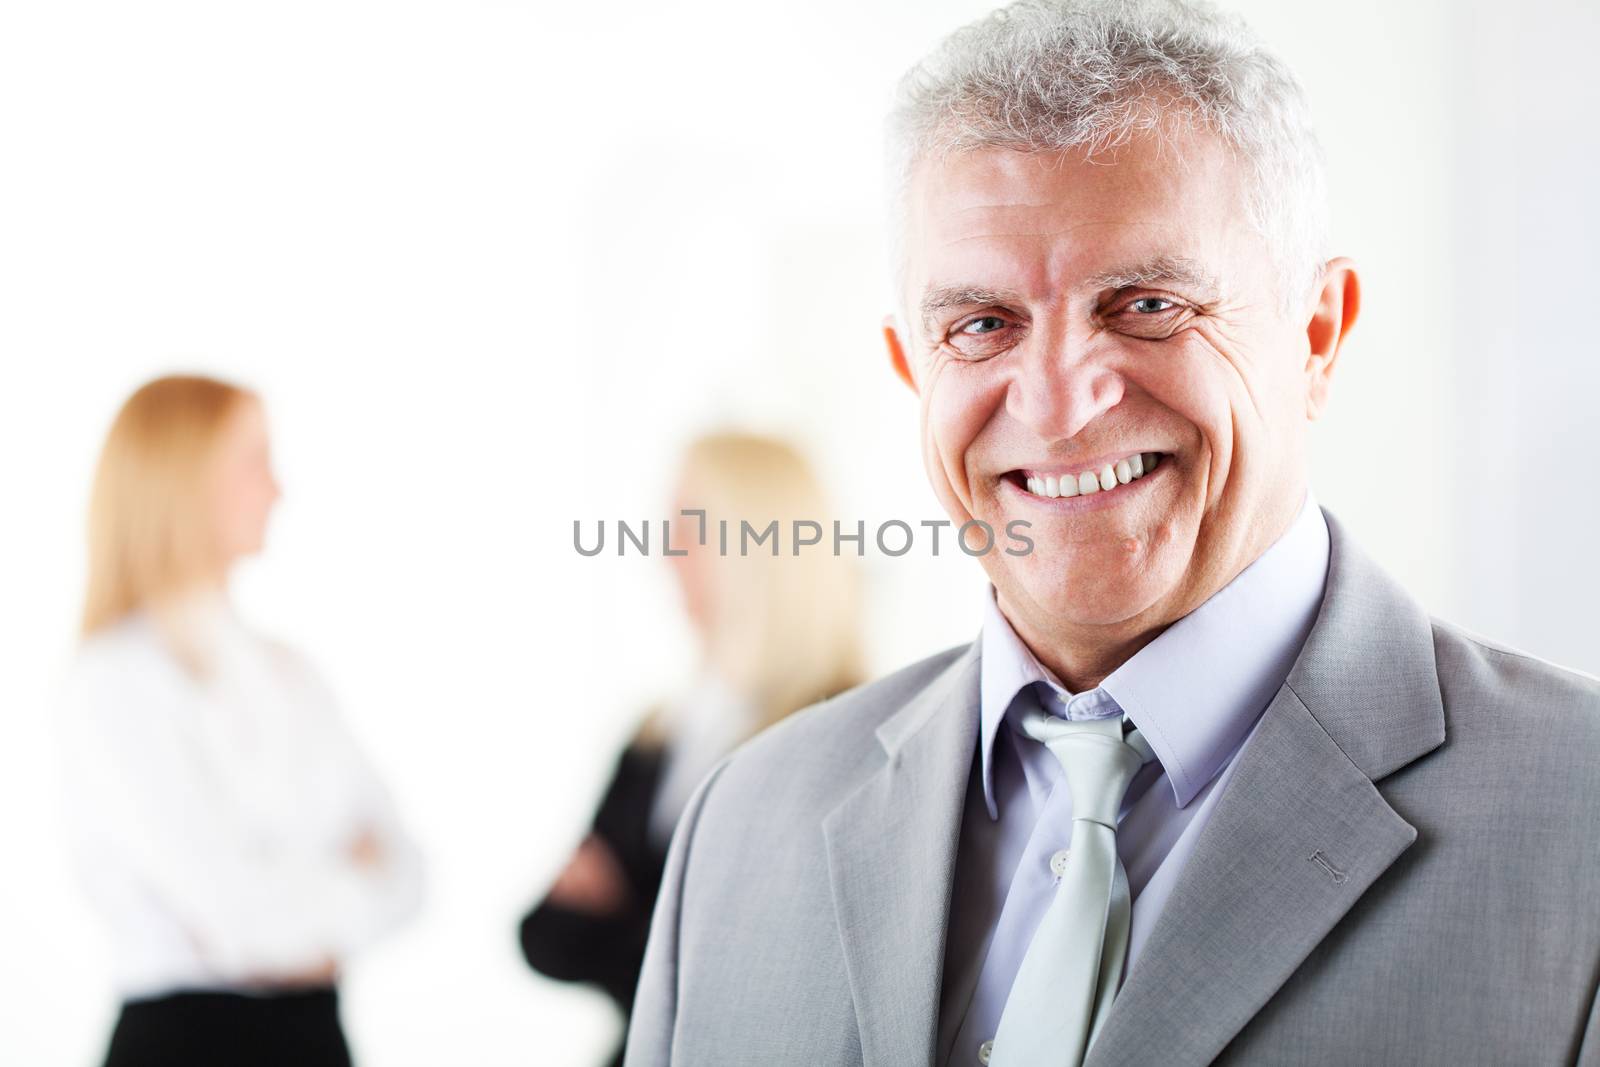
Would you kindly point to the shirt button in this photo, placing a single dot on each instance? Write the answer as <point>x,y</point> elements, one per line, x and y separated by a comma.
<point>984,1050</point>
<point>1058,862</point>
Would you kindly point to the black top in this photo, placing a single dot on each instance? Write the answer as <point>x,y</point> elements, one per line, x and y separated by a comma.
<point>608,950</point>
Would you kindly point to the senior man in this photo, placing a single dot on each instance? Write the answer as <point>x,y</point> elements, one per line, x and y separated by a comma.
<point>1208,786</point>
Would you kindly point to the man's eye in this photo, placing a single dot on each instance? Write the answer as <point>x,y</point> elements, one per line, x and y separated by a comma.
<point>1146,301</point>
<point>986,324</point>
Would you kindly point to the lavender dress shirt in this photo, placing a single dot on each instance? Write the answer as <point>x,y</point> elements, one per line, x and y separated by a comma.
<point>1196,693</point>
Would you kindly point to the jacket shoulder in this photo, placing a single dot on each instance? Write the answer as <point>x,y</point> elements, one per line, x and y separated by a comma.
<point>853,716</point>
<point>1483,679</point>
<point>808,760</point>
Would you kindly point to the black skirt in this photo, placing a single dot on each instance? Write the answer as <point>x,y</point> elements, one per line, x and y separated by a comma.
<point>241,1030</point>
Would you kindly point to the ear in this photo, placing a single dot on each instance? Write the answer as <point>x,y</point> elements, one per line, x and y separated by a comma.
<point>897,353</point>
<point>1337,304</point>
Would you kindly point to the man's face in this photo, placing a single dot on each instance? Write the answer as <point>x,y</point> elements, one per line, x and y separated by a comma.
<point>1037,353</point>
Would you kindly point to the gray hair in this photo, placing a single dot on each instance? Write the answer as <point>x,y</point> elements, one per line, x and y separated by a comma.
<point>1052,75</point>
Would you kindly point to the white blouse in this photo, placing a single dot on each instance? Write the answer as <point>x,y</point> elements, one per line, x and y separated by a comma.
<point>213,820</point>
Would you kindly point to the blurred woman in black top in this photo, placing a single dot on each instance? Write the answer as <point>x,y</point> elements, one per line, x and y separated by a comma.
<point>777,633</point>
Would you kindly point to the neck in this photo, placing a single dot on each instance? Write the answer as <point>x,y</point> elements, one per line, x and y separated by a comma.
<point>188,618</point>
<point>1083,656</point>
<point>200,594</point>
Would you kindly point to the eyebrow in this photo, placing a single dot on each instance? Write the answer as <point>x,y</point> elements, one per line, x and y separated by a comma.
<point>1179,271</point>
<point>958,296</point>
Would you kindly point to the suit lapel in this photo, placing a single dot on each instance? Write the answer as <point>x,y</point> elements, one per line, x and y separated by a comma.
<point>1301,831</point>
<point>891,849</point>
<point>1295,840</point>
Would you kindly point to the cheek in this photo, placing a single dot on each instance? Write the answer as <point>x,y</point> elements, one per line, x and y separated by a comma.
<point>960,401</point>
<point>245,502</point>
<point>264,495</point>
<point>1206,390</point>
<point>226,524</point>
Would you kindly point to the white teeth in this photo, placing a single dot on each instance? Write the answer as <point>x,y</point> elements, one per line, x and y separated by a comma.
<point>1125,470</point>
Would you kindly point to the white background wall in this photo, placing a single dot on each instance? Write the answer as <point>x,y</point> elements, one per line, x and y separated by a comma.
<point>490,263</point>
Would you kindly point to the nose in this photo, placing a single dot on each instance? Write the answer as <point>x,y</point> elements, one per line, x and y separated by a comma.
<point>1056,393</point>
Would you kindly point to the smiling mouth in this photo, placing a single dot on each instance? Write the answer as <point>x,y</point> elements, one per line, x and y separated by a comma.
<point>1055,484</point>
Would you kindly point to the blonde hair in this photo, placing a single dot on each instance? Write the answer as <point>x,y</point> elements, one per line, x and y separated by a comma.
<point>785,629</point>
<point>150,530</point>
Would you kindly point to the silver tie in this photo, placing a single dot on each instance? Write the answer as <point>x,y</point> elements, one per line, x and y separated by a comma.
<point>1073,965</point>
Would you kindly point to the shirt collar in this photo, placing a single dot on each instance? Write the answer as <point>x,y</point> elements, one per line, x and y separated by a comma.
<point>1194,691</point>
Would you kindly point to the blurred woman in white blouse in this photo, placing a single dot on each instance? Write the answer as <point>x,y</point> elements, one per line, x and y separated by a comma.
<point>238,844</point>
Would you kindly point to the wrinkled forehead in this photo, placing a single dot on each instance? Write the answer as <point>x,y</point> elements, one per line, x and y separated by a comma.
<point>1045,223</point>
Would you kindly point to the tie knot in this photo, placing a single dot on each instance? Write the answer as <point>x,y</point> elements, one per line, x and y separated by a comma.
<point>1098,760</point>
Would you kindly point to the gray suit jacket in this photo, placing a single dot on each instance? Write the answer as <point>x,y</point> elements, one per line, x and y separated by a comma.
<point>1403,870</point>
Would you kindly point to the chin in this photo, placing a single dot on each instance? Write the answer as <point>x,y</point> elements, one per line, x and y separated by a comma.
<point>1087,591</point>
